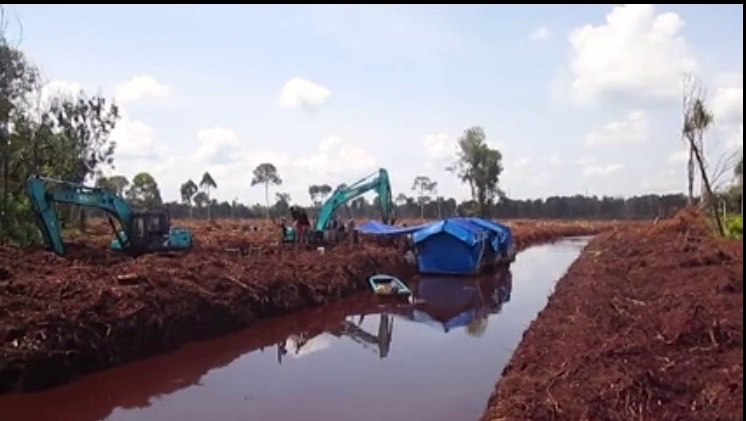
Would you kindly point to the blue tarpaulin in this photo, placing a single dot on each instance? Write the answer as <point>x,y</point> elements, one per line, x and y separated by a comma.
<point>379,228</point>
<point>453,245</point>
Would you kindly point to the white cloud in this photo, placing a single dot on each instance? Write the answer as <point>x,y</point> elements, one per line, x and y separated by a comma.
<point>636,54</point>
<point>141,87</point>
<point>217,146</point>
<point>555,160</point>
<point>601,170</point>
<point>300,92</point>
<point>679,157</point>
<point>521,163</point>
<point>134,139</point>
<point>727,102</point>
<point>59,88</point>
<point>315,344</point>
<point>540,34</point>
<point>632,130</point>
<point>335,156</point>
<point>439,148</point>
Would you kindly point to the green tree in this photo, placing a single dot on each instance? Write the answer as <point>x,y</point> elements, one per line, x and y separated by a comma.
<point>282,203</point>
<point>479,166</point>
<point>207,183</point>
<point>63,137</point>
<point>423,186</point>
<point>18,79</point>
<point>324,191</point>
<point>201,199</point>
<point>313,192</point>
<point>86,122</point>
<point>115,184</point>
<point>144,191</point>
<point>118,183</point>
<point>266,173</point>
<point>187,191</point>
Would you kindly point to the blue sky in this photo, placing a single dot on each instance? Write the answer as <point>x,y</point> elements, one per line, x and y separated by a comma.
<point>577,98</point>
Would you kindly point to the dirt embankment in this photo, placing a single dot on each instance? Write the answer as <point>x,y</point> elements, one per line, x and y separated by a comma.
<point>647,325</point>
<point>93,309</point>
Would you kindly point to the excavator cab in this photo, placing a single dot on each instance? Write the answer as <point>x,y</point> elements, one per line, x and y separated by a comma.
<point>150,223</point>
<point>151,231</point>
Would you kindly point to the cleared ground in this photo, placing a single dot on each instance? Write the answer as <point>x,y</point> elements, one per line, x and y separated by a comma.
<point>646,325</point>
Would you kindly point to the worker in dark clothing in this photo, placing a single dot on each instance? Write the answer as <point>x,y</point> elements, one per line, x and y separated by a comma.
<point>301,221</point>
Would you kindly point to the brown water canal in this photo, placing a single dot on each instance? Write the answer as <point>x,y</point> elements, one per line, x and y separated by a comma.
<point>356,360</point>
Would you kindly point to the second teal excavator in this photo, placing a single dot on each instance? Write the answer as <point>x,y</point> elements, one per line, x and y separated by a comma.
<point>378,182</point>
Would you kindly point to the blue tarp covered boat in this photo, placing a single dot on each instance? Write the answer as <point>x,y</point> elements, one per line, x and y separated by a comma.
<point>462,245</point>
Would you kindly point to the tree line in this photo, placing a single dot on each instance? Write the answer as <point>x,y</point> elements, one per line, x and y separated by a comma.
<point>423,203</point>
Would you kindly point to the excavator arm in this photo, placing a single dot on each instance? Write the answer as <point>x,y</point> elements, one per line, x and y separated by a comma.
<point>141,231</point>
<point>378,182</point>
<point>43,201</point>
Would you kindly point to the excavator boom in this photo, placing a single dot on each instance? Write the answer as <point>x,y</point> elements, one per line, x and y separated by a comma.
<point>378,182</point>
<point>141,231</point>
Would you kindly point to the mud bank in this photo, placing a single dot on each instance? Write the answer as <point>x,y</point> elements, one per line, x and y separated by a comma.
<point>94,309</point>
<point>647,324</point>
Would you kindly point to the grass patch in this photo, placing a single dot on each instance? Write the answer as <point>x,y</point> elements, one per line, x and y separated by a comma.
<point>734,226</point>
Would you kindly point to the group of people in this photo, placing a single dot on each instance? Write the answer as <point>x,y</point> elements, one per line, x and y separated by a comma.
<point>297,230</point>
<point>299,226</point>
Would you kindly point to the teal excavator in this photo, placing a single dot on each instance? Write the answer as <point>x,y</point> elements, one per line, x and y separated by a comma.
<point>378,182</point>
<point>140,231</point>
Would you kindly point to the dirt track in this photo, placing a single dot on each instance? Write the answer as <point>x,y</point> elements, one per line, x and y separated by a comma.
<point>63,317</point>
<point>646,325</point>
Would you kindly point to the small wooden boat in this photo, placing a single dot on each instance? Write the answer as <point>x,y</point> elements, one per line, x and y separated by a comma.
<point>388,285</point>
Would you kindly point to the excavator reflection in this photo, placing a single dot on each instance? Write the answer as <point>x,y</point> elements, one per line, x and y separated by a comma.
<point>379,344</point>
<point>444,303</point>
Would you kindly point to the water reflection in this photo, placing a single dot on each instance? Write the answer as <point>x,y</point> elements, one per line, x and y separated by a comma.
<point>457,302</point>
<point>440,302</point>
<point>443,302</point>
<point>253,374</point>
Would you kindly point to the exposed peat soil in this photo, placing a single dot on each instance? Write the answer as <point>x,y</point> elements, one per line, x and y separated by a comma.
<point>646,325</point>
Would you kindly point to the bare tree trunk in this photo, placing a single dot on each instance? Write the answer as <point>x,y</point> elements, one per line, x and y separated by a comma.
<point>690,175</point>
<point>707,187</point>
<point>266,196</point>
<point>209,204</point>
<point>4,211</point>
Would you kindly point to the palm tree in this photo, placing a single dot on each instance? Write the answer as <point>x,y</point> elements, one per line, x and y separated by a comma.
<point>266,173</point>
<point>208,183</point>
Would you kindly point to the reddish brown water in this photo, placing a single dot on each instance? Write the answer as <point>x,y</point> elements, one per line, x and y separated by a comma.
<point>436,360</point>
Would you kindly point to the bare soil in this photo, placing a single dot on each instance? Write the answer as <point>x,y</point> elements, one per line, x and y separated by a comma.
<point>95,308</point>
<point>646,325</point>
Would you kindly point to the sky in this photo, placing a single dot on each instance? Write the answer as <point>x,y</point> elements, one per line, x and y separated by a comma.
<point>580,99</point>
